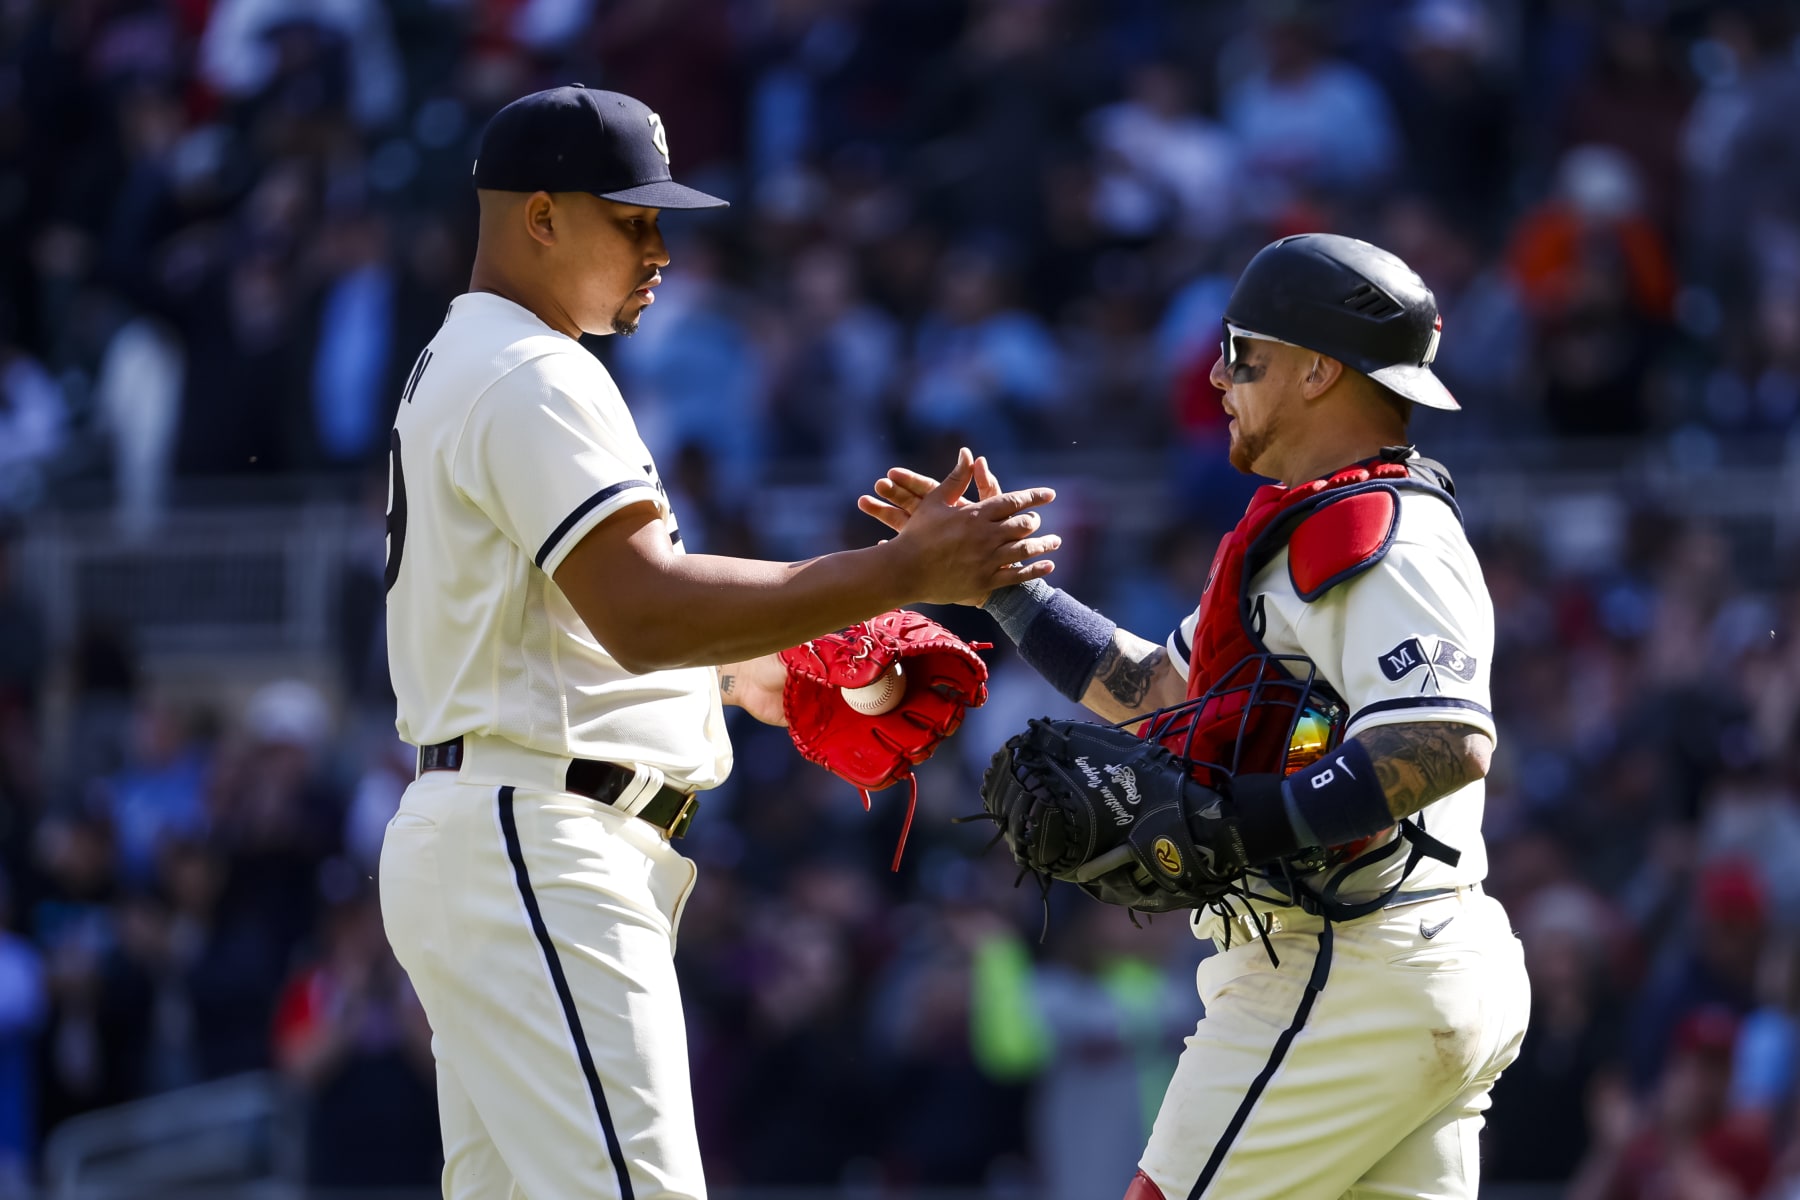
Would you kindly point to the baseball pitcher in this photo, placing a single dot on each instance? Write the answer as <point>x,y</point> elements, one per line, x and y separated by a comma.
<point>561,662</point>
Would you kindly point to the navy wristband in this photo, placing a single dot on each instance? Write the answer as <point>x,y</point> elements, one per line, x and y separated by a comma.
<point>1058,636</point>
<point>1338,799</point>
<point>1015,608</point>
<point>1303,832</point>
<point>1263,820</point>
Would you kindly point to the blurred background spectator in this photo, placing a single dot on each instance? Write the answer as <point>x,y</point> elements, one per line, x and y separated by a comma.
<point>1007,222</point>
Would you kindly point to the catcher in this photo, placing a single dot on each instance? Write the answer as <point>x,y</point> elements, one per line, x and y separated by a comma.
<point>1299,765</point>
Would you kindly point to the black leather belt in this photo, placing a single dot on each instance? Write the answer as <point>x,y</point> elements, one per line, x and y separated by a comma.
<point>670,810</point>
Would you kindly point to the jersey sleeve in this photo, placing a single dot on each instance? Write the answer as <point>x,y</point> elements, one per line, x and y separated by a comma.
<point>1411,638</point>
<point>547,464</point>
<point>1180,643</point>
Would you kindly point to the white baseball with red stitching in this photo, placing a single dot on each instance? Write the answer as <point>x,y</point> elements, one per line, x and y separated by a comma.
<point>879,697</point>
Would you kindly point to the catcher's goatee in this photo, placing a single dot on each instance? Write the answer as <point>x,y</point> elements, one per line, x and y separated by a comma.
<point>561,659</point>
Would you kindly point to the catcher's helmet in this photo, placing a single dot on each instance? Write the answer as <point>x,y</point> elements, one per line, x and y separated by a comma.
<point>1350,300</point>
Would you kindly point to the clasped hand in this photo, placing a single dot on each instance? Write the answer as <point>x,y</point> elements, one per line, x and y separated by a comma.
<point>971,546</point>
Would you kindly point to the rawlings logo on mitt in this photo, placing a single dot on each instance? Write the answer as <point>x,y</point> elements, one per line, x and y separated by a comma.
<point>943,678</point>
<point>1120,817</point>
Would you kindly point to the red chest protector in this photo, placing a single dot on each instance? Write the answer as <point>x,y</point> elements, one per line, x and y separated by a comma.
<point>1333,529</point>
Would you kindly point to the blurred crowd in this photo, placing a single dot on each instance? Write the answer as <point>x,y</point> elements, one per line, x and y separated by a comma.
<point>1007,221</point>
<point>1011,223</point>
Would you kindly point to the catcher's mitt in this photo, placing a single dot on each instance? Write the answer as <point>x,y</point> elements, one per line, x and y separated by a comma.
<point>943,677</point>
<point>1119,816</point>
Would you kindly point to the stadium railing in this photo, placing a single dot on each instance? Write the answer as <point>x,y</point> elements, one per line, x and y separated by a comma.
<point>268,579</point>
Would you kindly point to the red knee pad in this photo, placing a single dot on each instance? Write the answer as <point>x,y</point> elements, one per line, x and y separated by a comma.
<point>1143,1189</point>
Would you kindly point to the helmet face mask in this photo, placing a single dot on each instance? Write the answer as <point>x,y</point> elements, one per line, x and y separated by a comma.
<point>1271,713</point>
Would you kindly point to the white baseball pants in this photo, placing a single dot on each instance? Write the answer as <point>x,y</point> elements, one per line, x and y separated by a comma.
<point>538,928</point>
<point>1372,1086</point>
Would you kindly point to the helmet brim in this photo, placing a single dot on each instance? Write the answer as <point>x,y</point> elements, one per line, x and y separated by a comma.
<point>1417,384</point>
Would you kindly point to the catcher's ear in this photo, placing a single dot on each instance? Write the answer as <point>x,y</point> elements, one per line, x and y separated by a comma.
<point>1320,375</point>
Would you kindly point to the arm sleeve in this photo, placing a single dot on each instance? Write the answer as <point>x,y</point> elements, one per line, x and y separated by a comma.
<point>1180,644</point>
<point>548,465</point>
<point>1411,638</point>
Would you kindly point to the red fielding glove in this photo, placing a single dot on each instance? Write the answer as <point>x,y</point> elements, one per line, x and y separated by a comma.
<point>943,678</point>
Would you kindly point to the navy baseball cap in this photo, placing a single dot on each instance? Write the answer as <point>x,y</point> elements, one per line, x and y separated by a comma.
<point>581,139</point>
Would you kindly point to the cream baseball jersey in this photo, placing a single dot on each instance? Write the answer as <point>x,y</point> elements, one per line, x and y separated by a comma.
<point>1409,639</point>
<point>510,445</point>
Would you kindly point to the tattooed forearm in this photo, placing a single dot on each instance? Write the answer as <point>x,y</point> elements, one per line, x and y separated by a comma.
<point>1425,761</point>
<point>1125,679</point>
<point>726,683</point>
<point>1133,677</point>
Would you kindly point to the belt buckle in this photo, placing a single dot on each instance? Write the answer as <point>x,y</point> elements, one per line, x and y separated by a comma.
<point>684,815</point>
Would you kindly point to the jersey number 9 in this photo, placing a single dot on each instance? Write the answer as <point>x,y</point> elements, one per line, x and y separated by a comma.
<point>396,512</point>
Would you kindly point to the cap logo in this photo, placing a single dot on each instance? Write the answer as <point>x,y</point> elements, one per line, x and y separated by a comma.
<point>1437,331</point>
<point>658,137</point>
